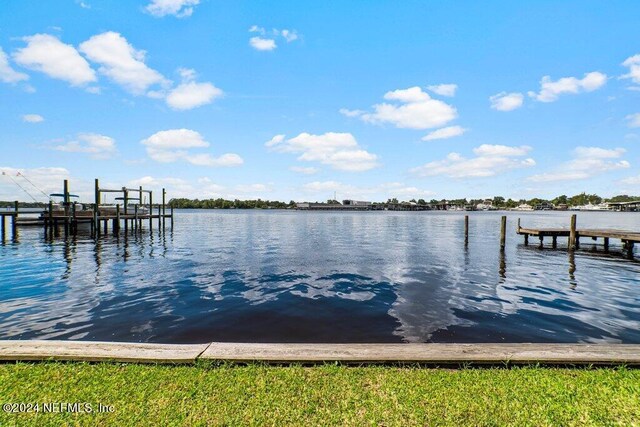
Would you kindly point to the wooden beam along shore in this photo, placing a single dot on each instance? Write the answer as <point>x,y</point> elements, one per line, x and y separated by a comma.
<point>429,354</point>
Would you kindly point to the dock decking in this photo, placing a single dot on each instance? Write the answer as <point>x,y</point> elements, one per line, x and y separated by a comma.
<point>573,235</point>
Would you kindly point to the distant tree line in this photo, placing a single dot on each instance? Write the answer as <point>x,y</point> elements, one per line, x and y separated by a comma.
<point>498,202</point>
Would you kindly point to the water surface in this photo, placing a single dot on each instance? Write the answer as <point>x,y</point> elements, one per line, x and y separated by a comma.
<point>288,276</point>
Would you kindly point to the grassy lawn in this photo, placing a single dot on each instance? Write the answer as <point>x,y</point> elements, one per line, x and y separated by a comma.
<point>208,394</point>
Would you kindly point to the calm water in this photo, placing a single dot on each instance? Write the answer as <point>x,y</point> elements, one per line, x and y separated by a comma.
<point>284,276</point>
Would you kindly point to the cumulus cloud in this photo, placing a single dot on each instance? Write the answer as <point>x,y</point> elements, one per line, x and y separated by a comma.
<point>267,40</point>
<point>47,54</point>
<point>448,89</point>
<point>304,170</point>
<point>586,163</point>
<point>550,90</point>
<point>258,43</point>
<point>321,190</point>
<point>504,101</point>
<point>489,161</point>
<point>444,133</point>
<point>7,73</point>
<point>634,120</point>
<point>338,150</point>
<point>172,145</point>
<point>32,118</point>
<point>177,8</point>
<point>97,146</point>
<point>191,94</point>
<point>413,109</point>
<point>47,179</point>
<point>121,62</point>
<point>633,63</point>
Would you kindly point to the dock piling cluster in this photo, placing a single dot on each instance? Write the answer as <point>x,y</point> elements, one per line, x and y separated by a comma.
<point>72,215</point>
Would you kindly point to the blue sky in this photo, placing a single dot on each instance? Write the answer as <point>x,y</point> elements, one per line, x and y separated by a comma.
<point>295,100</point>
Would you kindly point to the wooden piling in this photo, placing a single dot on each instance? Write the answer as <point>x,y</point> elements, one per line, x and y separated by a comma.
<point>2,227</point>
<point>126,200</point>
<point>116,222</point>
<point>74,222</point>
<point>51,229</point>
<point>135,218</point>
<point>503,232</point>
<point>163,206</point>
<point>172,217</point>
<point>14,223</point>
<point>572,233</point>
<point>96,214</point>
<point>150,211</point>
<point>526,240</point>
<point>554,242</point>
<point>466,230</point>
<point>606,244</point>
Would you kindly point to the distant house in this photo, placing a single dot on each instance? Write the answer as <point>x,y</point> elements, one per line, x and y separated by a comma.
<point>356,203</point>
<point>486,205</point>
<point>544,206</point>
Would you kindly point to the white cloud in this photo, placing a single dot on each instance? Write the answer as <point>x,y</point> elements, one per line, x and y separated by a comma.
<point>47,54</point>
<point>289,35</point>
<point>551,90</point>
<point>448,89</point>
<point>351,113</point>
<point>121,62</point>
<point>304,170</point>
<point>414,109</point>
<point>98,146</point>
<point>504,101</point>
<point>256,29</point>
<point>587,162</point>
<point>8,74</point>
<point>633,62</point>
<point>322,190</point>
<point>178,8</point>
<point>634,120</point>
<point>489,161</point>
<point>32,118</point>
<point>338,150</point>
<point>191,94</point>
<point>632,180</point>
<point>444,133</point>
<point>46,179</point>
<point>172,145</point>
<point>258,43</point>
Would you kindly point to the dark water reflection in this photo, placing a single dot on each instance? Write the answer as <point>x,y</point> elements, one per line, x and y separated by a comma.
<point>276,276</point>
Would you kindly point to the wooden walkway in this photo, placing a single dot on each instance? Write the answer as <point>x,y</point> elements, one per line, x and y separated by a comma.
<point>573,235</point>
<point>430,354</point>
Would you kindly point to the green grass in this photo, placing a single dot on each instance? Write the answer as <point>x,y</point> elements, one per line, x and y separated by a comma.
<point>207,394</point>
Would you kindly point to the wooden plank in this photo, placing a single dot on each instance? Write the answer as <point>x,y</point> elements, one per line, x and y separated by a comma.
<point>427,353</point>
<point>93,351</point>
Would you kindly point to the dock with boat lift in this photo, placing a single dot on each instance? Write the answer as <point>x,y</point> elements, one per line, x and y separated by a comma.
<point>574,234</point>
<point>131,214</point>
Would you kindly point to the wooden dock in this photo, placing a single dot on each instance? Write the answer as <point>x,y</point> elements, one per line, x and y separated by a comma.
<point>132,214</point>
<point>574,234</point>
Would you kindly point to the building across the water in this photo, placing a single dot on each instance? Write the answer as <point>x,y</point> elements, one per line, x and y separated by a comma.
<point>352,205</point>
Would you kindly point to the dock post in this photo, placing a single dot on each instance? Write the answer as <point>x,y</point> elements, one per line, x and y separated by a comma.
<point>503,232</point>
<point>572,233</point>
<point>150,211</point>
<point>172,217</point>
<point>95,227</point>
<point>96,220</point>
<point>2,226</point>
<point>606,244</point>
<point>116,222</point>
<point>628,245</point>
<point>126,199</point>
<point>74,223</point>
<point>541,237</point>
<point>554,243</point>
<point>14,223</point>
<point>135,219</point>
<point>526,240</point>
<point>519,225</point>
<point>466,230</point>
<point>163,206</point>
<point>51,218</point>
